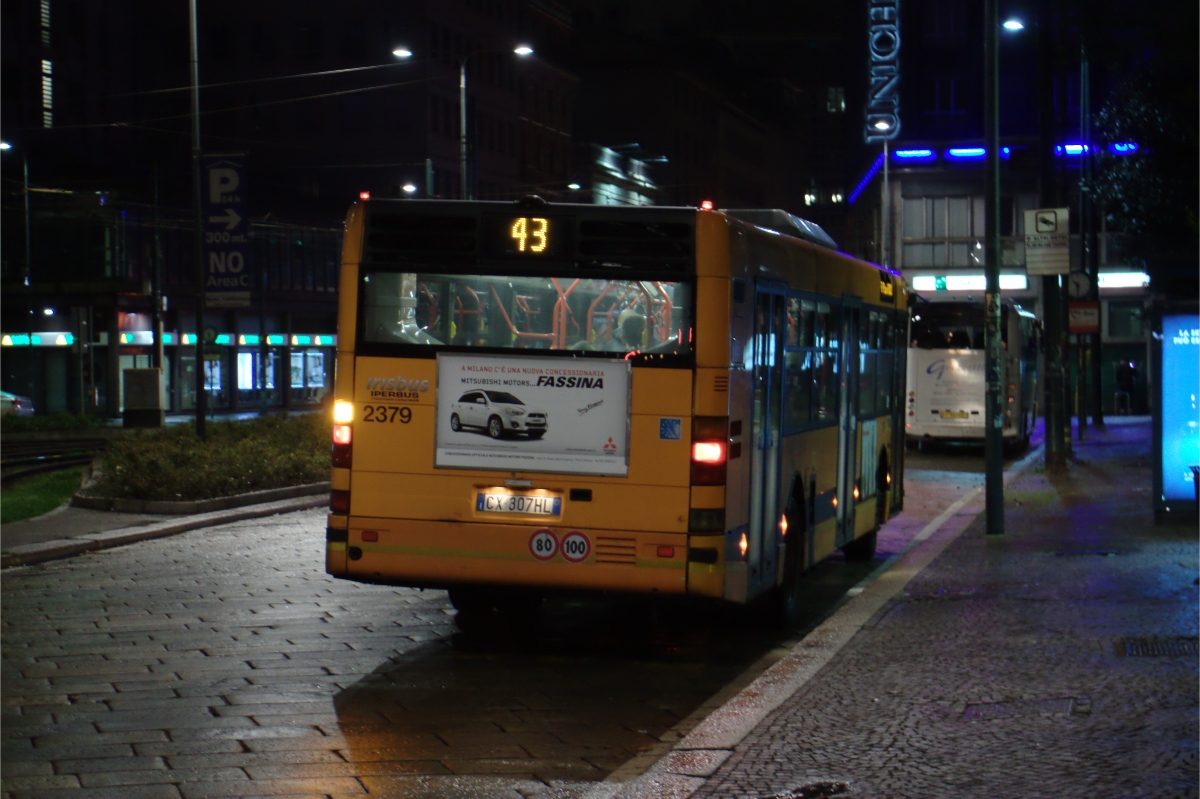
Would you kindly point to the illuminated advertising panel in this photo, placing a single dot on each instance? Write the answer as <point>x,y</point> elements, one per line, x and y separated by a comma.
<point>1180,442</point>
<point>883,95</point>
<point>533,414</point>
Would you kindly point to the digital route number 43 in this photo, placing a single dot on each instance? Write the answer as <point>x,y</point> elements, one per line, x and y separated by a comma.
<point>531,233</point>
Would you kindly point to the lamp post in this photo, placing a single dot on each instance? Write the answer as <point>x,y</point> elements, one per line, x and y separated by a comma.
<point>885,208</point>
<point>994,394</point>
<point>521,51</point>
<point>27,270</point>
<point>198,224</point>
<point>1054,391</point>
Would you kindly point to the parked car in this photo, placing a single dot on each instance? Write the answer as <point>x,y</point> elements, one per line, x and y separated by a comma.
<point>15,403</point>
<point>497,412</point>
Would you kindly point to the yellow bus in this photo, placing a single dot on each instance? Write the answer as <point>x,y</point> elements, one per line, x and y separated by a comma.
<point>533,398</point>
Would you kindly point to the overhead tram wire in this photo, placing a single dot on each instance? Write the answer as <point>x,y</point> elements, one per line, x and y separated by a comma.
<point>247,81</point>
<point>233,108</point>
<point>144,123</point>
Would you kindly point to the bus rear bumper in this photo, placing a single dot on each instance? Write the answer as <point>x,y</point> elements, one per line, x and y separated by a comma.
<point>445,553</point>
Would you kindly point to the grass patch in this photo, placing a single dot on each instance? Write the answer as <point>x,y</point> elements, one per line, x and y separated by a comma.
<point>38,494</point>
<point>171,463</point>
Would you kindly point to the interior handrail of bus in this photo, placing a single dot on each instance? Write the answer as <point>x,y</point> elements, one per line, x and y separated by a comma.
<point>434,314</point>
<point>562,311</point>
<point>665,313</point>
<point>460,310</point>
<point>512,328</point>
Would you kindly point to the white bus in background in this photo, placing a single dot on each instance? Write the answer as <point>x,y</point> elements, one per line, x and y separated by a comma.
<point>947,377</point>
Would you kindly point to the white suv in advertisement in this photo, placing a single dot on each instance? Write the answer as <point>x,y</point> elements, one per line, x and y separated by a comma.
<point>497,412</point>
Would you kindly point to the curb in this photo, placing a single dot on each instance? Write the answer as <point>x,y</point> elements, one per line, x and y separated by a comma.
<point>251,507</point>
<point>189,507</point>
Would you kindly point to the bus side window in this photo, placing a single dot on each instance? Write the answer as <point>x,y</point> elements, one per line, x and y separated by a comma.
<point>824,386</point>
<point>798,375</point>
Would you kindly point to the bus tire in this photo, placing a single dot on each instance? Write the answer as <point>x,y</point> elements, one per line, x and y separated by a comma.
<point>861,549</point>
<point>479,599</point>
<point>495,427</point>
<point>468,599</point>
<point>787,605</point>
<point>489,612</point>
<point>455,424</point>
<point>883,491</point>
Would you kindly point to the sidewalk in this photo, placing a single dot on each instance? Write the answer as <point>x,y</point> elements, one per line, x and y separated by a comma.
<point>70,530</point>
<point>1059,659</point>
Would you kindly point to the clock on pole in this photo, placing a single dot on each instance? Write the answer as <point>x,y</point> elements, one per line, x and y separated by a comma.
<point>1079,285</point>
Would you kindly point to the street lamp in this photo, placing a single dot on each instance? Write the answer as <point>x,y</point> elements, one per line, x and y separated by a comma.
<point>885,210</point>
<point>25,275</point>
<point>521,51</point>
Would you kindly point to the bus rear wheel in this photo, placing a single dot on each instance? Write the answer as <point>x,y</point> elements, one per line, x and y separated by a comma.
<point>785,601</point>
<point>473,600</point>
<point>861,549</point>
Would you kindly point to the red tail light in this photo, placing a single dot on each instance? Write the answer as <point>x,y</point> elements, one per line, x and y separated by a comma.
<point>342,454</point>
<point>710,450</point>
<point>339,501</point>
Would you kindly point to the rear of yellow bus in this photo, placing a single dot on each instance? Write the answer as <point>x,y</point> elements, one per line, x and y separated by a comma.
<point>517,406</point>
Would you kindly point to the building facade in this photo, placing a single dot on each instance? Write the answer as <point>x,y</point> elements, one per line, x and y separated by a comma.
<point>99,225</point>
<point>923,210</point>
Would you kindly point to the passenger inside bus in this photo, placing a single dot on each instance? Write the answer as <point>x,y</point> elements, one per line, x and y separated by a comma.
<point>631,326</point>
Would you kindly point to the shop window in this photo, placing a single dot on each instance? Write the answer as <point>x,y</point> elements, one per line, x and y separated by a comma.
<point>1125,319</point>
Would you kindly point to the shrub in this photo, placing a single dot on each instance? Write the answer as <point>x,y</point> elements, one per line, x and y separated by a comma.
<point>236,457</point>
<point>11,423</point>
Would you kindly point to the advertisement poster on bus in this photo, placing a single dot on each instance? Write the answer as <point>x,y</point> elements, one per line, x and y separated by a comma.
<point>533,414</point>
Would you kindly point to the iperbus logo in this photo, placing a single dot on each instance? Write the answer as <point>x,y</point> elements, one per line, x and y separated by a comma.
<point>396,388</point>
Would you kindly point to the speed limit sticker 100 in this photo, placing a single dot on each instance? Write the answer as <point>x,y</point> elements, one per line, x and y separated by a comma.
<point>575,547</point>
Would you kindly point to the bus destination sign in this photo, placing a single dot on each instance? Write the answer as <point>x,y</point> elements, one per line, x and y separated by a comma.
<point>531,236</point>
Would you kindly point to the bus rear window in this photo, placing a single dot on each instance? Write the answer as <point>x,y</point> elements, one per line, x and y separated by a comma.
<point>953,327</point>
<point>526,313</point>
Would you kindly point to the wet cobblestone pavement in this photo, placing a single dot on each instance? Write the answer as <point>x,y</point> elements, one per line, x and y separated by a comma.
<point>1057,660</point>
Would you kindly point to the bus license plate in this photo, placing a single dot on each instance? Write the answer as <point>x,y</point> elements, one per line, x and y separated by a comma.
<point>518,503</point>
<point>955,414</point>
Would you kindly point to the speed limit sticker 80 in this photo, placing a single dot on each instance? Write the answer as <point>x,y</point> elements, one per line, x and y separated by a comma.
<point>575,546</point>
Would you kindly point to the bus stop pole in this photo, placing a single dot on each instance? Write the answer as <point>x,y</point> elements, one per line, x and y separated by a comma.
<point>994,399</point>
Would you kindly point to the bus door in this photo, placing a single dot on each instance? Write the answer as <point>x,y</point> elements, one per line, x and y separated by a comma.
<point>848,422</point>
<point>766,427</point>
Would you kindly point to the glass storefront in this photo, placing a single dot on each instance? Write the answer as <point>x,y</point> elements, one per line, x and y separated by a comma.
<point>256,373</point>
<point>310,375</point>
